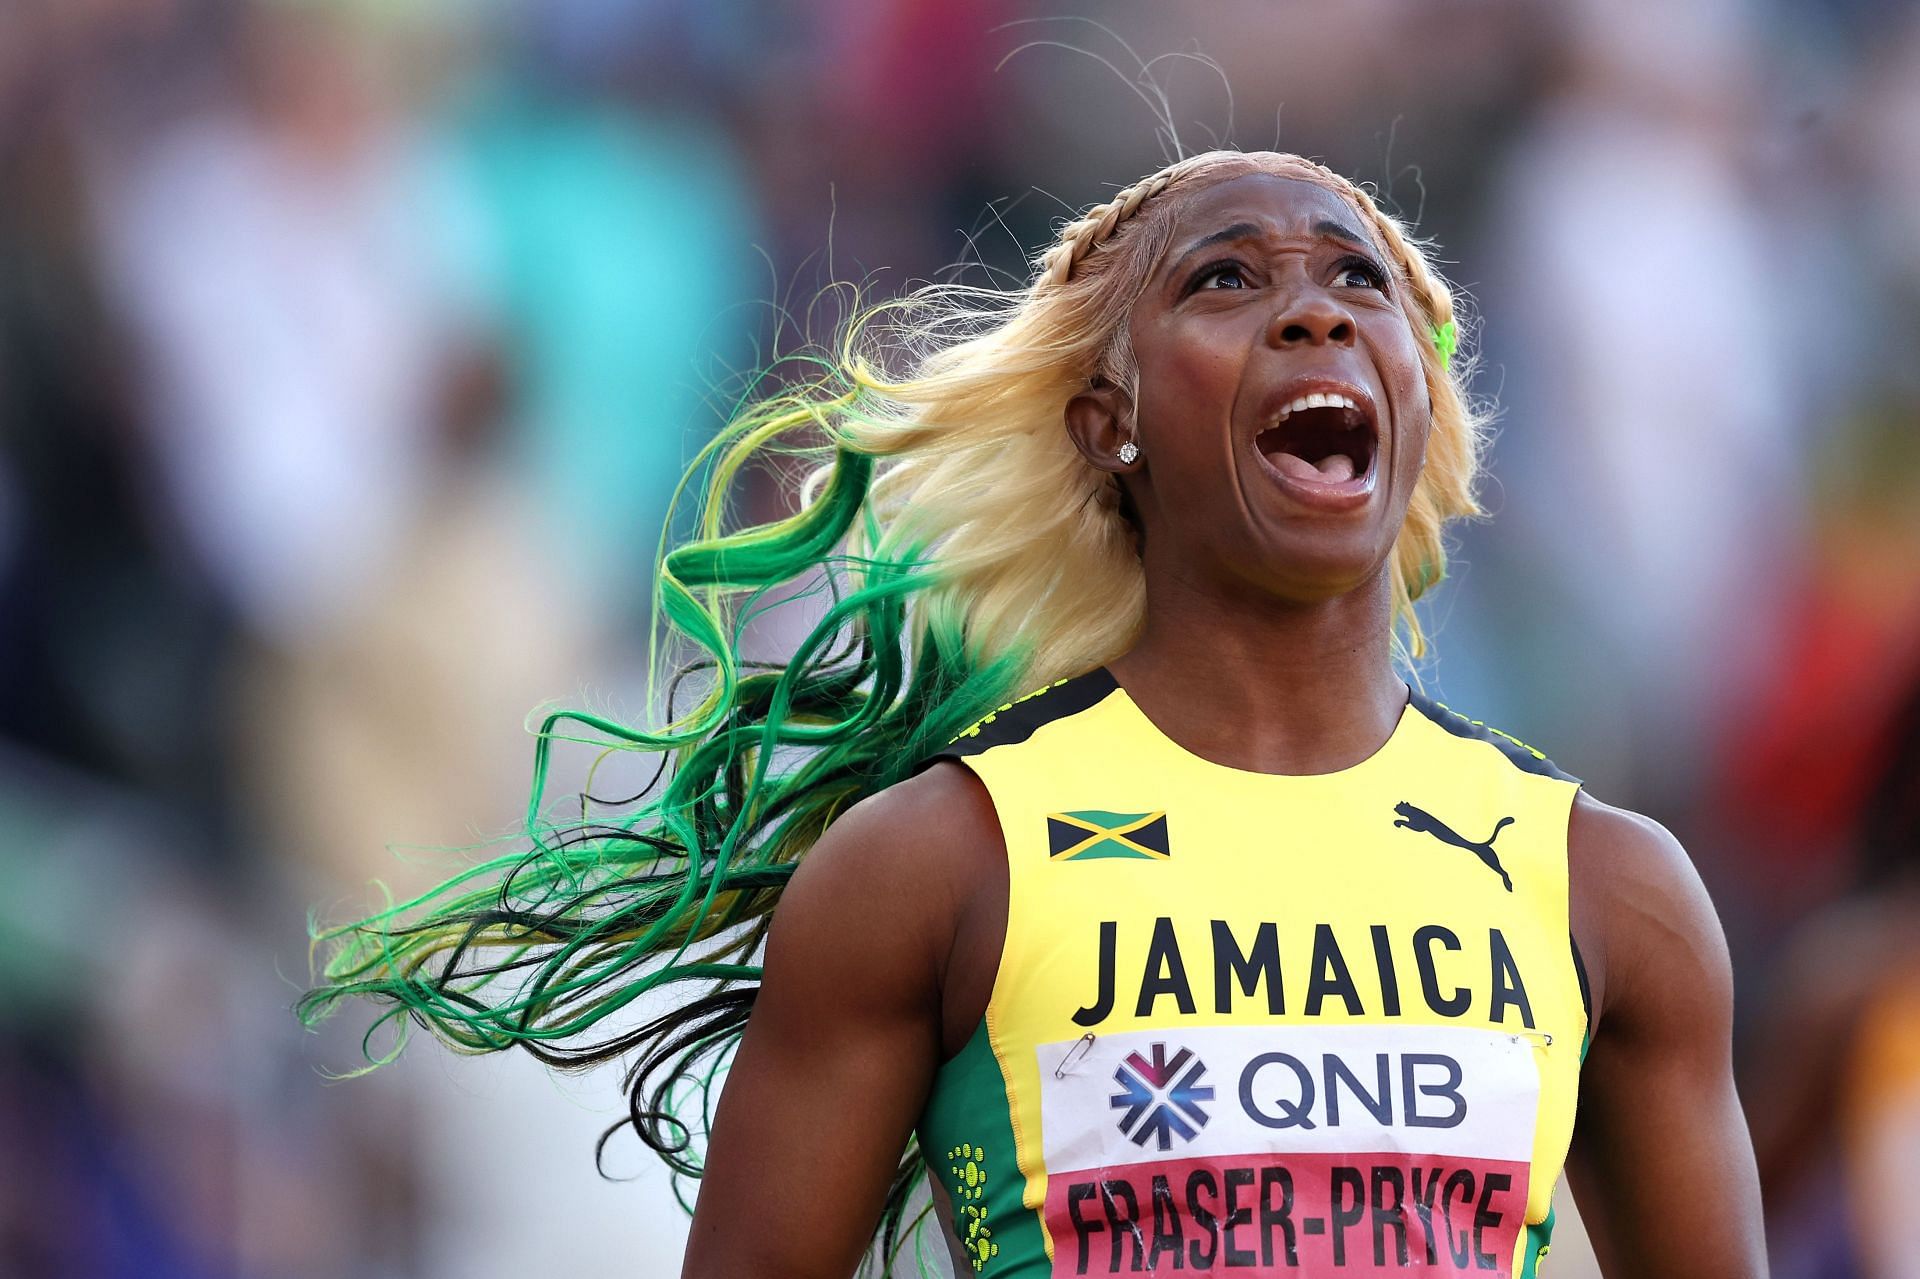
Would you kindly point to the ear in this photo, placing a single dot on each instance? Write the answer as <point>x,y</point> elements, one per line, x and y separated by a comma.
<point>1100,420</point>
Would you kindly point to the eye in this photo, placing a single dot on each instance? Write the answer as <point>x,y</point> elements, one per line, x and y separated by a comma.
<point>1227,269</point>
<point>1361,273</point>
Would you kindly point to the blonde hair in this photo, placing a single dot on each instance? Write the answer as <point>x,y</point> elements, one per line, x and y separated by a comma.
<point>1032,551</point>
<point>970,554</point>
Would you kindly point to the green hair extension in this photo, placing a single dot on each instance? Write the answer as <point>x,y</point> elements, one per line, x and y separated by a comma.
<point>539,948</point>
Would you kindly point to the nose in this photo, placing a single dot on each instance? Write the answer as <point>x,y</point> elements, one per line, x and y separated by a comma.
<point>1311,318</point>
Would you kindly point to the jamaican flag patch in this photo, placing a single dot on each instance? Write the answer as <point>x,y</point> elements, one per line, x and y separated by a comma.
<point>1093,832</point>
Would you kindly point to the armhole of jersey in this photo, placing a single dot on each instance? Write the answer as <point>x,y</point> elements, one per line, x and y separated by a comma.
<point>1017,1241</point>
<point>1528,760</point>
<point>1586,992</point>
<point>1009,725</point>
<point>1573,943</point>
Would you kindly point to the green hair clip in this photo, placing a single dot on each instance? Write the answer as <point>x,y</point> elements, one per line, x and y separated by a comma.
<point>1432,573</point>
<point>1446,340</point>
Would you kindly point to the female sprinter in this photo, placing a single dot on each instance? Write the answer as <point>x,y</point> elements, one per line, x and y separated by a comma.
<point>1104,865</point>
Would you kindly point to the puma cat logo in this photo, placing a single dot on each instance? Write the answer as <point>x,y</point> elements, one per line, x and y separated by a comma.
<point>1419,819</point>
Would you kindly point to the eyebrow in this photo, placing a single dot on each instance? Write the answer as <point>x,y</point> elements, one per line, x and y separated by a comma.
<point>1244,230</point>
<point>1340,231</point>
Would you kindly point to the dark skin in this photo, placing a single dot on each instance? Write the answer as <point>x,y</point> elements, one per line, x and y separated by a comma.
<point>1266,647</point>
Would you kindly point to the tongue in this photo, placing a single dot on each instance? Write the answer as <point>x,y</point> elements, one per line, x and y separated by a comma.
<point>1331,469</point>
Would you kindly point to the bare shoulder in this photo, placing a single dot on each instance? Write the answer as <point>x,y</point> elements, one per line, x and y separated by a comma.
<point>848,1029</point>
<point>915,840</point>
<point>1633,851</point>
<point>1641,913</point>
<point>901,902</point>
<point>1659,1121</point>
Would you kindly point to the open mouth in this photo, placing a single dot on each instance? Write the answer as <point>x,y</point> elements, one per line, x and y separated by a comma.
<point>1322,438</point>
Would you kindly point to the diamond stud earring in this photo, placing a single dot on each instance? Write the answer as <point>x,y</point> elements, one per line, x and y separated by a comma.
<point>1128,452</point>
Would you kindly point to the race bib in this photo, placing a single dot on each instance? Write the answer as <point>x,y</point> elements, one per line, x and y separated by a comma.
<point>1288,1150</point>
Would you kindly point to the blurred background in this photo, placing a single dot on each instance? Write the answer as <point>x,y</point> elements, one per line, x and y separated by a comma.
<point>349,352</point>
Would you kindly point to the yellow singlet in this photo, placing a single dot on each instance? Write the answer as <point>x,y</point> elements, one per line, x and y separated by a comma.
<point>1264,1025</point>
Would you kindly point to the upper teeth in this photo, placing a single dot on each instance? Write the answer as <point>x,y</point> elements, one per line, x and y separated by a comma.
<point>1317,401</point>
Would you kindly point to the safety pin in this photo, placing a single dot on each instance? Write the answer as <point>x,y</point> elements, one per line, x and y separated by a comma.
<point>1545,1037</point>
<point>1081,1047</point>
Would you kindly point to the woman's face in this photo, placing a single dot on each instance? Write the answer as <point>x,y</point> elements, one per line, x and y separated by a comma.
<point>1283,414</point>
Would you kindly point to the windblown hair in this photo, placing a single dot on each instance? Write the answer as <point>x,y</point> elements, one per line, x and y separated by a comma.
<point>967,553</point>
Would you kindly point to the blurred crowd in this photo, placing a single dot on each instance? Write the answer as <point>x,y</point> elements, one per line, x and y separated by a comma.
<point>350,351</point>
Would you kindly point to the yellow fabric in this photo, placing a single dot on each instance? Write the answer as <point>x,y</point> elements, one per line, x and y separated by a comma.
<point>1348,854</point>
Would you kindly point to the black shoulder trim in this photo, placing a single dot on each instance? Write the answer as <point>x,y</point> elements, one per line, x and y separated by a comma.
<point>1580,971</point>
<point>1022,718</point>
<point>1518,753</point>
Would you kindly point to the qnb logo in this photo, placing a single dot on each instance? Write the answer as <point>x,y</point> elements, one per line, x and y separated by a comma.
<point>1160,1097</point>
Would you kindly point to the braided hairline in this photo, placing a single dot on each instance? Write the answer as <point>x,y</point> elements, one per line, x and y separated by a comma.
<point>1081,237</point>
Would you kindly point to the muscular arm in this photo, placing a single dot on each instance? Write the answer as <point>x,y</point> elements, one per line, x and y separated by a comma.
<point>1661,1163</point>
<point>846,1035</point>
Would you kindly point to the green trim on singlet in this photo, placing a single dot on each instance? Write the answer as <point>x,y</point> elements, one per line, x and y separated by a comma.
<point>966,1139</point>
<point>1538,1237</point>
<point>1541,1236</point>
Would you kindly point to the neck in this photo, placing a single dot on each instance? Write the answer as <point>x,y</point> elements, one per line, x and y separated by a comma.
<point>1268,686</point>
